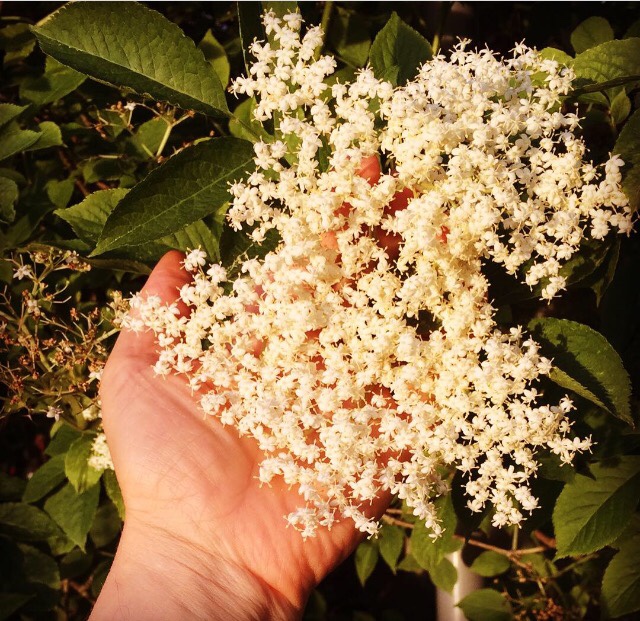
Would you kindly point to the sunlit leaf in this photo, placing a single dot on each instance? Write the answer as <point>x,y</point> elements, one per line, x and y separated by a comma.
<point>56,82</point>
<point>131,46</point>
<point>45,479</point>
<point>390,543</point>
<point>592,512</point>
<point>486,605</point>
<point>366,557</point>
<point>583,361</point>
<point>398,51</point>
<point>187,187</point>
<point>216,56</point>
<point>591,32</point>
<point>76,464</point>
<point>25,522</point>
<point>489,564</point>
<point>74,512</point>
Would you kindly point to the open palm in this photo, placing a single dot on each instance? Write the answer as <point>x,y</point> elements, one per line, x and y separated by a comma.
<point>196,481</point>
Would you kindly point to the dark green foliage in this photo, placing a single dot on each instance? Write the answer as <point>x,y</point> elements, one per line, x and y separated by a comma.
<point>121,175</point>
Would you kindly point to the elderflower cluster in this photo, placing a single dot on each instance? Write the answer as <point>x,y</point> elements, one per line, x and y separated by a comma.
<point>100,457</point>
<point>362,353</point>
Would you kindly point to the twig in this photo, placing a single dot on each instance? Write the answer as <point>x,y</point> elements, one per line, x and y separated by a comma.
<point>396,522</point>
<point>550,542</point>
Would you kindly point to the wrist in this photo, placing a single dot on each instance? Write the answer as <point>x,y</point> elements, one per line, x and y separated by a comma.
<point>159,576</point>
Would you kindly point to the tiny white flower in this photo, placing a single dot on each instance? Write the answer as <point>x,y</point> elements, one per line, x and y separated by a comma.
<point>24,271</point>
<point>53,411</point>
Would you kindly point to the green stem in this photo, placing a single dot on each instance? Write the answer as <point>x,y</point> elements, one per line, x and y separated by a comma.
<point>324,25</point>
<point>603,86</point>
<point>163,142</point>
<point>514,538</point>
<point>443,14</point>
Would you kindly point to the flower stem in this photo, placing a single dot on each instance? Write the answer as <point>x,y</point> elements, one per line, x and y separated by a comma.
<point>324,25</point>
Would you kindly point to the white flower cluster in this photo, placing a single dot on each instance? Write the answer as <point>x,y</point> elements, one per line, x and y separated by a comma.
<point>362,354</point>
<point>100,458</point>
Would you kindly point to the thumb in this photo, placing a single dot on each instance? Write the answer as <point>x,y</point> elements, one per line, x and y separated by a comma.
<point>165,281</point>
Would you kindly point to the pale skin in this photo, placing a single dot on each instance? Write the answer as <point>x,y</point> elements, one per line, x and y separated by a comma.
<point>202,538</point>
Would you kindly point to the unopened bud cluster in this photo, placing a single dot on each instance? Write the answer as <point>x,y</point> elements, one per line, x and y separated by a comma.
<point>362,353</point>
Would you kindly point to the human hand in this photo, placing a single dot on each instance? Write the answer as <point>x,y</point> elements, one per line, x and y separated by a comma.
<point>202,538</point>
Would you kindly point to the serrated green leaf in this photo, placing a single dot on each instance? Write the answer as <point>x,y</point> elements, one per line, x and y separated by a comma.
<point>486,605</point>
<point>620,107</point>
<point>631,530</point>
<point>106,525</point>
<point>39,567</point>
<point>559,56</point>
<point>131,46</point>
<point>628,148</point>
<point>216,56</point>
<point>112,488</point>
<point>63,437</point>
<point>56,82</point>
<point>591,32</point>
<point>409,563</point>
<point>80,474</point>
<point>187,187</point>
<point>196,235</point>
<point>9,112</point>
<point>444,575</point>
<point>17,40</point>
<point>390,544</point>
<point>428,551</point>
<point>592,512</point>
<point>8,196</point>
<point>608,61</point>
<point>600,279</point>
<point>25,522</point>
<point>398,51</point>
<point>349,37</point>
<point>621,581</point>
<point>87,218</point>
<point>60,192</point>
<point>585,363</point>
<point>366,557</point>
<point>490,563</point>
<point>48,136</point>
<point>60,544</point>
<point>74,512</point>
<point>45,479</point>
<point>15,140</point>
